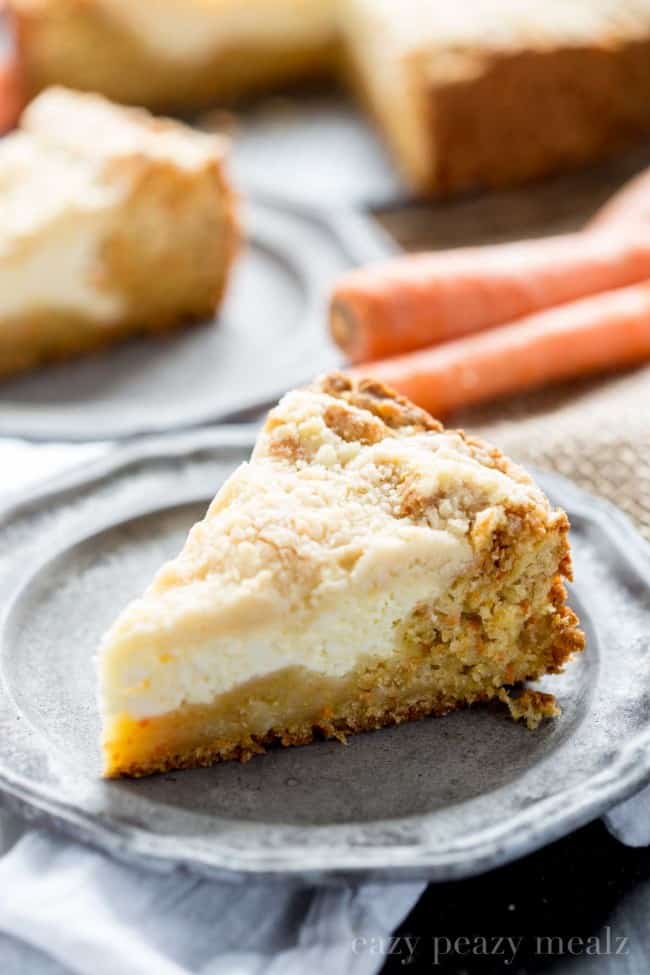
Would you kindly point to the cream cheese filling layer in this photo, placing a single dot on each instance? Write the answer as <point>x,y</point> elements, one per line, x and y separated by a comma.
<point>152,671</point>
<point>58,272</point>
<point>56,215</point>
<point>197,29</point>
<point>65,181</point>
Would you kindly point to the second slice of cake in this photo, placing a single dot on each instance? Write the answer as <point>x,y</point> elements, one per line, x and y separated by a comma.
<point>114,223</point>
<point>367,567</point>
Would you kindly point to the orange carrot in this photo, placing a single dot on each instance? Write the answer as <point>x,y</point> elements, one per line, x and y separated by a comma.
<point>627,208</point>
<point>595,334</point>
<point>417,300</point>
<point>12,95</point>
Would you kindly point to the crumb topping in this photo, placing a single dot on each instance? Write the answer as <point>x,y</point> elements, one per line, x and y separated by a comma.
<point>344,475</point>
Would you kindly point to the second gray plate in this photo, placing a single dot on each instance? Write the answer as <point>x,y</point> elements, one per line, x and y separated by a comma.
<point>435,799</point>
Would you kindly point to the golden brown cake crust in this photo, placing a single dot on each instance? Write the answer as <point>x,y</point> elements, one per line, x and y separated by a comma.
<point>589,101</point>
<point>242,751</point>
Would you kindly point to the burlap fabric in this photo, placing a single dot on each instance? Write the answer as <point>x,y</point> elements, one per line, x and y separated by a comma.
<point>596,433</point>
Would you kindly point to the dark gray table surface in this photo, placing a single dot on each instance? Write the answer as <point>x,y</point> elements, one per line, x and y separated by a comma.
<point>582,905</point>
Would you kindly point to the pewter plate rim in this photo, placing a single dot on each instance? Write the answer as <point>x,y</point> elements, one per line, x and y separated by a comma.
<point>547,818</point>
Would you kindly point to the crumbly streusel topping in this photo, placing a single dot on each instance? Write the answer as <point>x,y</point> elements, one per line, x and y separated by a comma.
<point>342,470</point>
<point>424,472</point>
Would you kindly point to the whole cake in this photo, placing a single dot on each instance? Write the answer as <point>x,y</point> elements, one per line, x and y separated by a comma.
<point>367,567</point>
<point>113,223</point>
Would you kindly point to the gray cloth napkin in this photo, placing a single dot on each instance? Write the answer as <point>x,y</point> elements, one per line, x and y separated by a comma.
<point>95,916</point>
<point>630,822</point>
<point>65,908</point>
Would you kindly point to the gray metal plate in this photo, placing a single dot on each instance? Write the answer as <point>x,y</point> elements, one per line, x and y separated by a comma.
<point>437,799</point>
<point>313,148</point>
<point>269,336</point>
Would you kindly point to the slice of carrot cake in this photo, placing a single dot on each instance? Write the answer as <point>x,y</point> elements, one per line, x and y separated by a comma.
<point>114,223</point>
<point>365,568</point>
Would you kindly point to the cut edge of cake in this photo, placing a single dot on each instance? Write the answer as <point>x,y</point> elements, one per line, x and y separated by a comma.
<point>117,223</point>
